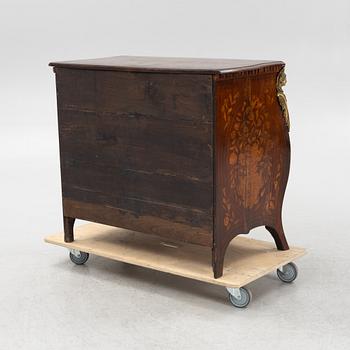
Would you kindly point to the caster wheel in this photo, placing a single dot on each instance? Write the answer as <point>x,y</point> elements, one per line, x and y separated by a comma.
<point>78,257</point>
<point>242,299</point>
<point>289,273</point>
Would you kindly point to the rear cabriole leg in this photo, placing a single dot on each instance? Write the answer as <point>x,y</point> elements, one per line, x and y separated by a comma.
<point>68,224</point>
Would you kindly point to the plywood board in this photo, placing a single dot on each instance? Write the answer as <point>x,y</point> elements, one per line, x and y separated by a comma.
<point>245,261</point>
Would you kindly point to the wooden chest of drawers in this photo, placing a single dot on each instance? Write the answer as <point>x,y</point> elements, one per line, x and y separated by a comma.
<point>189,149</point>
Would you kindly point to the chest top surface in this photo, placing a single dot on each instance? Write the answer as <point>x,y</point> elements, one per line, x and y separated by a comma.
<point>167,64</point>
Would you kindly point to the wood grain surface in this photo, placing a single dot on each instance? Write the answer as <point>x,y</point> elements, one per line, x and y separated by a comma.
<point>136,150</point>
<point>189,149</point>
<point>167,64</point>
<point>252,155</point>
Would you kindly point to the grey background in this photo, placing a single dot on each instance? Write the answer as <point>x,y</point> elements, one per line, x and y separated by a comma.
<point>47,303</point>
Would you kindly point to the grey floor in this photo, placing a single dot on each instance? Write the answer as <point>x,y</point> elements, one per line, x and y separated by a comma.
<point>46,302</point>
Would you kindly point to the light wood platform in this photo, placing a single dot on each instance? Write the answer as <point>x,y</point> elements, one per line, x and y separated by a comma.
<point>245,261</point>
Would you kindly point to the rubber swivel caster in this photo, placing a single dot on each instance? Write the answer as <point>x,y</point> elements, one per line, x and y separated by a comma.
<point>288,273</point>
<point>78,257</point>
<point>239,297</point>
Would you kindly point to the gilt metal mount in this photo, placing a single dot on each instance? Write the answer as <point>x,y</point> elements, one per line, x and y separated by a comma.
<point>282,81</point>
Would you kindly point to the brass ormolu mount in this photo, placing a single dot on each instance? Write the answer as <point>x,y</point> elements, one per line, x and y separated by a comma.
<point>282,81</point>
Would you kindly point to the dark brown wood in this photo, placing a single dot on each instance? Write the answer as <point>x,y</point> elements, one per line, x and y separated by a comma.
<point>136,151</point>
<point>169,64</point>
<point>68,223</point>
<point>173,229</point>
<point>252,155</point>
<point>190,150</point>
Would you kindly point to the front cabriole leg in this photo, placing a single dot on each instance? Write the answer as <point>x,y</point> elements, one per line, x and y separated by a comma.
<point>278,235</point>
<point>282,169</point>
<point>218,255</point>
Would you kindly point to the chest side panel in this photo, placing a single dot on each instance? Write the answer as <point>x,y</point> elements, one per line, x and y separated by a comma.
<point>136,150</point>
<point>252,154</point>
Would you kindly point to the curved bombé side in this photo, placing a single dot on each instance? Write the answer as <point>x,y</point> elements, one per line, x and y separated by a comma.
<point>252,157</point>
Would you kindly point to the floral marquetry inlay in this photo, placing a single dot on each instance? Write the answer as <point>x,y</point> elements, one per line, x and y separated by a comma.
<point>252,156</point>
<point>248,155</point>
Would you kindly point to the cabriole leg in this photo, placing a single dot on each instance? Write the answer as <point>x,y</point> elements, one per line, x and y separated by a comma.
<point>279,237</point>
<point>218,267</point>
<point>218,257</point>
<point>68,224</point>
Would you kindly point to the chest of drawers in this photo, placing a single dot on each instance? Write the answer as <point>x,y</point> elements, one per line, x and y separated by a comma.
<point>195,150</point>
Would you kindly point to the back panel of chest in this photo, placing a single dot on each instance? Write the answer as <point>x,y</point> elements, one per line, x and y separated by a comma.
<point>136,150</point>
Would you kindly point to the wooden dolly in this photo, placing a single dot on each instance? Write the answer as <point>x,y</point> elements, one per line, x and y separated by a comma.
<point>245,261</point>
